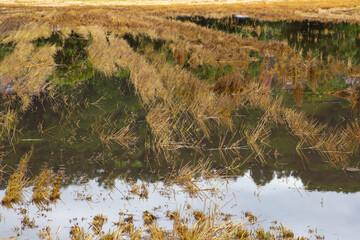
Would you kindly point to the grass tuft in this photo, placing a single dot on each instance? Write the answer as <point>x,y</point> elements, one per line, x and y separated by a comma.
<point>14,193</point>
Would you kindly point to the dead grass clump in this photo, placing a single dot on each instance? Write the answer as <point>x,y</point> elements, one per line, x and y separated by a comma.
<point>182,95</point>
<point>180,55</point>
<point>156,233</point>
<point>175,216</point>
<point>286,233</point>
<point>257,96</point>
<point>252,218</point>
<point>140,73</point>
<point>144,192</point>
<point>273,113</point>
<point>98,223</point>
<point>160,119</point>
<point>199,216</point>
<point>139,190</point>
<point>135,190</point>
<point>300,126</point>
<point>207,228</point>
<point>334,147</point>
<point>46,233</point>
<point>27,223</point>
<point>242,233</point>
<point>17,182</point>
<point>230,84</point>
<point>13,65</point>
<point>34,74</point>
<point>56,185</point>
<point>42,186</point>
<point>352,131</point>
<point>188,178</point>
<point>349,94</point>
<point>77,233</point>
<point>28,30</point>
<point>105,50</point>
<point>28,68</point>
<point>148,218</point>
<point>126,227</point>
<point>260,233</point>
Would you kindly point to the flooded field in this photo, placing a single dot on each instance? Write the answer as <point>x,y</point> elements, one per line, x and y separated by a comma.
<point>132,126</point>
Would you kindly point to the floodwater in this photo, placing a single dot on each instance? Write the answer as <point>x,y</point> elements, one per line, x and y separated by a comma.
<point>340,40</point>
<point>285,199</point>
<point>299,190</point>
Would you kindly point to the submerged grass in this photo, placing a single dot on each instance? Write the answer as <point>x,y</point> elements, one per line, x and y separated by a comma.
<point>8,124</point>
<point>42,187</point>
<point>178,103</point>
<point>56,185</point>
<point>14,193</point>
<point>124,137</point>
<point>168,62</point>
<point>259,134</point>
<point>98,223</point>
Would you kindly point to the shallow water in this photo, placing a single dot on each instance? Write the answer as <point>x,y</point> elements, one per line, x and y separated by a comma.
<point>284,199</point>
<point>65,128</point>
<point>341,40</point>
<point>300,191</point>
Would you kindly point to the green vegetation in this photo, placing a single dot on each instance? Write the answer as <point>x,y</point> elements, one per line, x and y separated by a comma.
<point>6,49</point>
<point>54,39</point>
<point>72,63</point>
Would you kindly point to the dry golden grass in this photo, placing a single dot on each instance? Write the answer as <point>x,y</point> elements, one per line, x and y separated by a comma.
<point>102,53</point>
<point>189,177</point>
<point>29,30</point>
<point>14,193</point>
<point>140,70</point>
<point>148,218</point>
<point>352,131</point>
<point>42,187</point>
<point>46,234</point>
<point>334,146</point>
<point>97,223</point>
<point>56,185</point>
<point>160,119</point>
<point>258,135</point>
<point>78,233</point>
<point>28,68</point>
<point>181,108</point>
<point>317,10</point>
<point>124,137</point>
<point>8,122</point>
<point>208,227</point>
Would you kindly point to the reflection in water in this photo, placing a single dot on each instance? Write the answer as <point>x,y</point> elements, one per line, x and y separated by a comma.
<point>69,126</point>
<point>72,123</point>
<point>298,93</point>
<point>71,60</point>
<point>332,214</point>
<point>326,38</point>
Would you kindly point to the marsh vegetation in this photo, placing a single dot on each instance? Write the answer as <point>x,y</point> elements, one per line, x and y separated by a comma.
<point>163,117</point>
